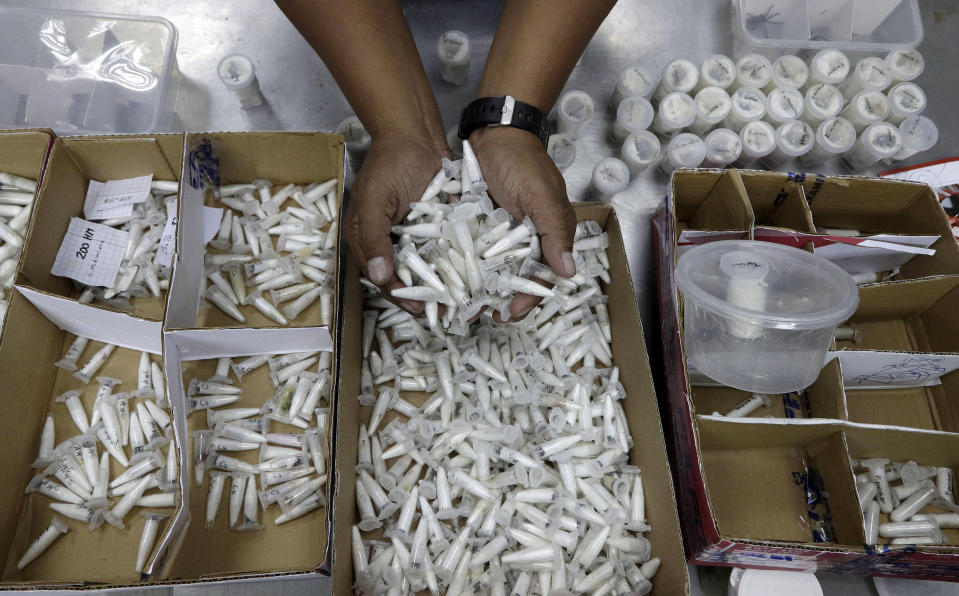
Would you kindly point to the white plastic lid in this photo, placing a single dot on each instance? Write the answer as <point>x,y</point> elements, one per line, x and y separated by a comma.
<point>918,133</point>
<point>870,105</point>
<point>610,176</point>
<point>718,71</point>
<point>576,106</point>
<point>562,149</point>
<point>748,103</point>
<point>680,75</point>
<point>641,148</point>
<point>356,135</point>
<point>759,138</point>
<point>837,135</point>
<point>873,73</point>
<point>824,100</point>
<point>790,71</point>
<point>678,110</point>
<point>723,146</point>
<point>905,65</point>
<point>803,291</point>
<point>795,138</point>
<point>637,80</point>
<point>634,113</point>
<point>906,99</point>
<point>882,140</point>
<point>236,71</point>
<point>686,150</point>
<point>453,47</point>
<point>774,582</point>
<point>784,103</point>
<point>754,70</point>
<point>712,104</point>
<point>830,66</point>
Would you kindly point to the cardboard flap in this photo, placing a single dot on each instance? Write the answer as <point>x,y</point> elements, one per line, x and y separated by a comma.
<point>709,200</point>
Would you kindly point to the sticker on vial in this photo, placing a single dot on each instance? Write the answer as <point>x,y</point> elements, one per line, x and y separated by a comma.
<point>211,225</point>
<point>115,198</point>
<point>90,253</point>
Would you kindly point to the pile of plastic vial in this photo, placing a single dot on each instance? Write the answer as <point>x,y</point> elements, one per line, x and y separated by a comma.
<point>16,203</point>
<point>77,478</point>
<point>287,278</point>
<point>291,466</point>
<point>921,487</point>
<point>512,475</point>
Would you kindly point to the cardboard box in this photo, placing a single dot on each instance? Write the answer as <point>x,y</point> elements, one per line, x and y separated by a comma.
<point>629,354</point>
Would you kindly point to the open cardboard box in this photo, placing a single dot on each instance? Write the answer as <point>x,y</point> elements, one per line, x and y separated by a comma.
<point>629,354</point>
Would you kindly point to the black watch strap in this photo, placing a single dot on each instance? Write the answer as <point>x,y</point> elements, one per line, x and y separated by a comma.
<point>503,111</point>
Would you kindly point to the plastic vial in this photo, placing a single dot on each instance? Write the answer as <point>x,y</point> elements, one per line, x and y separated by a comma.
<point>686,150</point>
<point>679,76</point>
<point>357,140</point>
<point>865,109</point>
<point>905,65</point>
<point>918,134</point>
<point>753,70</point>
<point>834,137</point>
<point>747,104</point>
<point>676,112</point>
<point>717,71</point>
<point>788,71</point>
<point>712,106</point>
<point>610,176</point>
<point>871,74</point>
<point>562,150</point>
<point>640,150</point>
<point>635,80</point>
<point>574,112</point>
<point>783,104</point>
<point>238,74</point>
<point>905,100</point>
<point>454,141</point>
<point>454,51</point>
<point>759,140</point>
<point>879,141</point>
<point>823,101</point>
<point>633,115</point>
<point>793,139</point>
<point>828,66</point>
<point>723,147</point>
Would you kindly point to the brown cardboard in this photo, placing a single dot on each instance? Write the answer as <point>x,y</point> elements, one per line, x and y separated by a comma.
<point>713,201</point>
<point>640,408</point>
<point>781,206</point>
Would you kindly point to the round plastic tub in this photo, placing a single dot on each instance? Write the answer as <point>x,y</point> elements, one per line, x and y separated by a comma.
<point>760,316</point>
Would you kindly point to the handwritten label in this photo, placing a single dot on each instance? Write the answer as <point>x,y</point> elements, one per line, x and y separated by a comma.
<point>90,253</point>
<point>866,369</point>
<point>211,225</point>
<point>115,198</point>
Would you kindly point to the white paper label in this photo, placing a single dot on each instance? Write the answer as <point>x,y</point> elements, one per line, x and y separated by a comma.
<point>90,253</point>
<point>211,225</point>
<point>211,222</point>
<point>865,369</point>
<point>115,198</point>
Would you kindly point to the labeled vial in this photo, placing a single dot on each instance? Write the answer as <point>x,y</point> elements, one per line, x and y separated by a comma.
<point>723,147</point>
<point>905,100</point>
<point>865,109</point>
<point>828,66</point>
<point>238,74</point>
<point>834,137</point>
<point>712,106</point>
<point>823,101</point>
<point>905,65</point>
<point>454,141</point>
<point>870,74</point>
<point>676,112</point>
<point>636,80</point>
<point>758,140</point>
<point>574,112</point>
<point>686,150</point>
<point>753,70</point>
<point>716,71</point>
<point>783,104</point>
<point>679,76</point>
<point>918,134</point>
<point>562,150</point>
<point>640,150</point>
<point>793,139</point>
<point>454,50</point>
<point>746,104</point>
<point>610,176</point>
<point>879,141</point>
<point>633,115</point>
<point>788,71</point>
<point>358,141</point>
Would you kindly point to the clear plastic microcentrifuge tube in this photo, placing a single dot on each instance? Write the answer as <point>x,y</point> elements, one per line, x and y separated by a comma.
<point>679,76</point>
<point>870,74</point>
<point>747,104</point>
<point>454,141</point>
<point>676,112</point>
<point>905,100</point>
<point>712,106</point>
<point>610,176</point>
<point>454,51</point>
<point>723,147</point>
<point>788,71</point>
<point>238,74</point>
<point>635,80</point>
<point>828,66</point>
<point>793,139</point>
<point>918,134</point>
<point>753,70</point>
<point>640,150</point>
<point>686,150</point>
<point>879,141</point>
<point>783,104</point>
<point>834,137</point>
<point>358,141</point>
<point>905,65</point>
<point>562,149</point>
<point>865,109</point>
<point>633,115</point>
<point>823,101</point>
<point>716,71</point>
<point>574,111</point>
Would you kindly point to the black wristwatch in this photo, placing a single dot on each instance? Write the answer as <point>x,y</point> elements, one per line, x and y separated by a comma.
<point>503,111</point>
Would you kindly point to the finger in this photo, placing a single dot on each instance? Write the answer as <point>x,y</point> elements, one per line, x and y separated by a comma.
<point>368,234</point>
<point>521,305</point>
<point>411,306</point>
<point>556,223</point>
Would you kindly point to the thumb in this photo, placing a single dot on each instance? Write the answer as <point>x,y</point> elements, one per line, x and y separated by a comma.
<point>555,222</point>
<point>368,234</point>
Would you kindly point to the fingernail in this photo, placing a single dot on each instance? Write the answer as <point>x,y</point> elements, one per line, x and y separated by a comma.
<point>568,264</point>
<point>379,271</point>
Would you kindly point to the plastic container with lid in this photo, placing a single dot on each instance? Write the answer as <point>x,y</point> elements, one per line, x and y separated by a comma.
<point>717,71</point>
<point>562,149</point>
<point>574,111</point>
<point>783,104</point>
<point>793,139</point>
<point>905,65</point>
<point>723,147</point>
<point>870,74</point>
<point>753,70</point>
<point>834,137</point>
<point>865,109</point>
<point>640,150</point>
<point>712,106</point>
<point>788,71</point>
<point>758,139</point>
<point>760,316</point>
<point>636,80</point>
<point>879,141</point>
<point>675,112</point>
<point>685,150</point>
<point>86,72</point>
<point>905,100</point>
<point>679,76</point>
<point>610,176</point>
<point>747,104</point>
<point>918,134</point>
<point>823,101</point>
<point>633,115</point>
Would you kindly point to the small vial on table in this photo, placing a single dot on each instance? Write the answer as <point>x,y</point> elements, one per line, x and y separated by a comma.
<point>454,52</point>
<point>610,176</point>
<point>793,139</point>
<point>871,74</point>
<point>238,74</point>
<point>574,112</point>
<point>357,140</point>
<point>758,140</point>
<point>782,105</point>
<point>686,150</point>
<point>723,147</point>
<point>717,71</point>
<point>633,115</point>
<point>712,106</point>
<point>676,112</point>
<point>753,70</point>
<point>788,71</point>
<point>454,141</point>
<point>834,137</point>
<point>640,150</point>
<point>562,150</point>
<point>905,100</point>
<point>905,65</point>
<point>747,104</point>
<point>865,109</point>
<point>635,80</point>
<point>879,141</point>
<point>823,101</point>
<point>828,66</point>
<point>918,134</point>
<point>679,76</point>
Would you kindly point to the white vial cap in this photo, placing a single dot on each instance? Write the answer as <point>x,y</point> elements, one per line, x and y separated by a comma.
<point>562,150</point>
<point>634,114</point>
<point>686,150</point>
<point>635,80</point>
<point>871,104</point>
<point>795,138</point>
<point>712,104</point>
<point>882,140</point>
<point>790,71</point>
<point>873,73</point>
<point>677,110</point>
<point>905,65</point>
<point>906,99</point>
<point>829,66</point>
<point>823,100</point>
<point>641,149</point>
<point>576,106</point>
<point>356,135</point>
<point>723,147</point>
<point>783,104</point>
<point>918,134</point>
<point>748,103</point>
<point>717,71</point>
<point>236,71</point>
<point>754,70</point>
<point>759,138</point>
<point>454,47</point>
<point>836,135</point>
<point>681,76</point>
<point>610,176</point>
